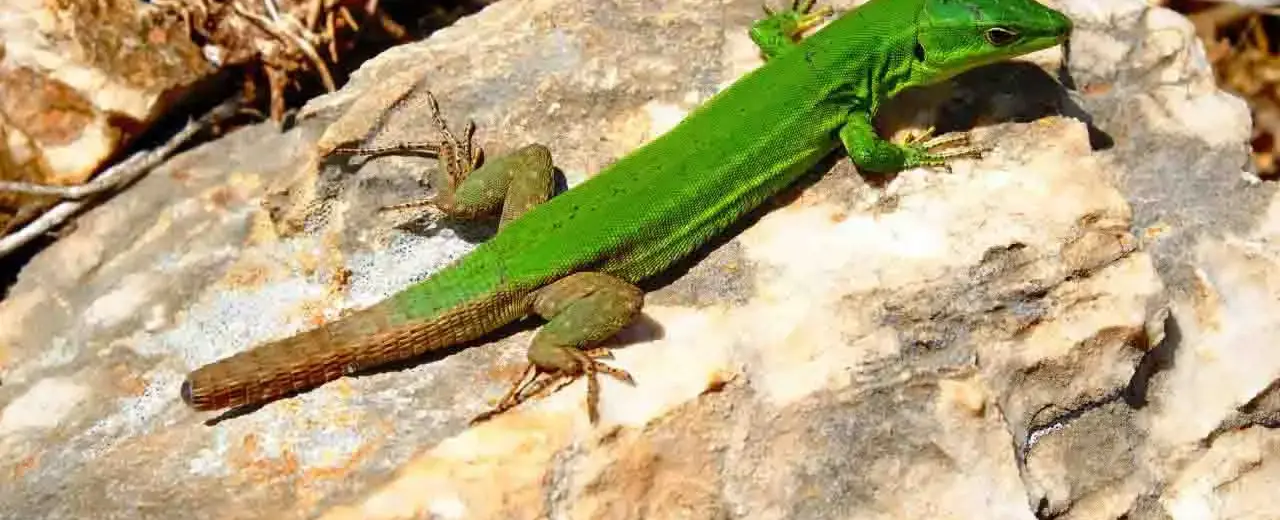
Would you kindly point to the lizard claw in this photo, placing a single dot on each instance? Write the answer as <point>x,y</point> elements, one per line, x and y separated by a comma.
<point>799,18</point>
<point>536,388</point>
<point>926,148</point>
<point>457,158</point>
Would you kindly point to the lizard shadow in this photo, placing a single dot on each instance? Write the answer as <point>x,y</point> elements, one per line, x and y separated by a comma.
<point>1007,92</point>
<point>247,409</point>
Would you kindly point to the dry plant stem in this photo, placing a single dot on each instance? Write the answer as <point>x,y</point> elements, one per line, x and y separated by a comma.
<point>122,173</point>
<point>388,24</point>
<point>312,17</point>
<point>347,17</point>
<point>98,185</point>
<point>276,79</point>
<point>331,29</point>
<point>270,7</point>
<point>289,38</point>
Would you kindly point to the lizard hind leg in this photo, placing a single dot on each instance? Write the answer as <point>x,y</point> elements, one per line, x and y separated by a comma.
<point>582,309</point>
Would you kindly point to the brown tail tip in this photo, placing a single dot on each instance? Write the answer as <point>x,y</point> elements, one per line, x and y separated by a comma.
<point>186,393</point>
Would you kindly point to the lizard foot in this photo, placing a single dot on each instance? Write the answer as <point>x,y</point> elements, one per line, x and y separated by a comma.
<point>458,157</point>
<point>779,31</point>
<point>926,149</point>
<point>799,18</point>
<point>585,364</point>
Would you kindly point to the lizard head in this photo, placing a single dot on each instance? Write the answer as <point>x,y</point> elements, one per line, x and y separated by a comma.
<point>957,35</point>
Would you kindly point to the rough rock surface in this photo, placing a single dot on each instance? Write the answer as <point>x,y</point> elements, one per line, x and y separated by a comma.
<point>1078,325</point>
<point>79,79</point>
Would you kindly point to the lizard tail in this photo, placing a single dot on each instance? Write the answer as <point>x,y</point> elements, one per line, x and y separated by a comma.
<point>362,340</point>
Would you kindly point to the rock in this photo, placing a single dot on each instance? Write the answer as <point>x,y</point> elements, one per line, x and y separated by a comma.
<point>1074,325</point>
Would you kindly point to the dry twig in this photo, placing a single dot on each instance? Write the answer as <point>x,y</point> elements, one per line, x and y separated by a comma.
<point>120,174</point>
<point>290,39</point>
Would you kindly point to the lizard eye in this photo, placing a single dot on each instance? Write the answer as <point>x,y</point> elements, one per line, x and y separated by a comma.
<point>1000,37</point>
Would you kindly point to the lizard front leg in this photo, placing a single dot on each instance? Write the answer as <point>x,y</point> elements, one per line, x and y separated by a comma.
<point>872,153</point>
<point>467,186</point>
<point>582,309</point>
<point>778,31</point>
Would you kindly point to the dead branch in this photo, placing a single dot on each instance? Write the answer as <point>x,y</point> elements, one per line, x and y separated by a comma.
<point>120,174</point>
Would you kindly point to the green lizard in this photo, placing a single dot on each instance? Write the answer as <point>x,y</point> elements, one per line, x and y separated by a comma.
<point>574,259</point>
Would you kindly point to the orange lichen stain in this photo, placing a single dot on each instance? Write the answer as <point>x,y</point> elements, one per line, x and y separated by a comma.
<point>261,229</point>
<point>249,443</point>
<point>344,390</point>
<point>157,36</point>
<point>383,430</point>
<point>253,467</point>
<point>507,372</point>
<point>25,465</point>
<point>307,262</point>
<point>246,459</point>
<point>1095,89</point>
<point>47,110</point>
<point>339,281</point>
<point>247,274</point>
<point>718,380</point>
<point>288,462</point>
<point>334,261</point>
<point>457,474</point>
<point>305,487</point>
<point>128,381</point>
<point>838,214</point>
<point>806,199</point>
<point>966,396</point>
<point>219,197</point>
<point>1155,231</point>
<point>638,477</point>
<point>239,188</point>
<point>244,182</point>
<point>313,313</point>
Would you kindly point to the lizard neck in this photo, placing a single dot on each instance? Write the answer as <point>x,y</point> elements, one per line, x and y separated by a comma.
<point>869,55</point>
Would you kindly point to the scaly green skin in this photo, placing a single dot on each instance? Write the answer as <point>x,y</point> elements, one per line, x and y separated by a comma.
<point>574,258</point>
